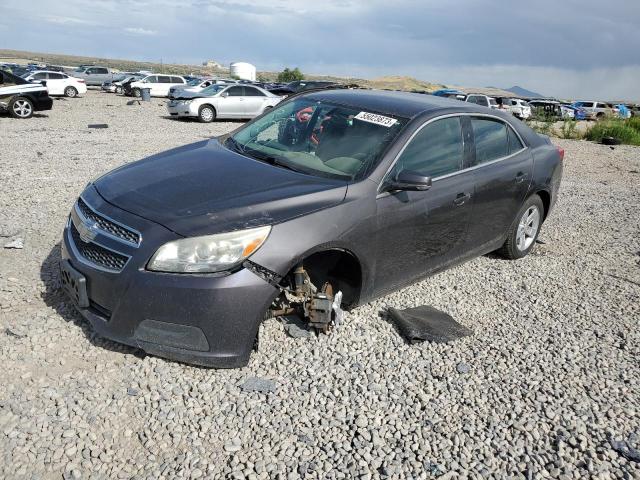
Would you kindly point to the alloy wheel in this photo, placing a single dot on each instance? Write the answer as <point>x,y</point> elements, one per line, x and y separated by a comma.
<point>528,228</point>
<point>22,108</point>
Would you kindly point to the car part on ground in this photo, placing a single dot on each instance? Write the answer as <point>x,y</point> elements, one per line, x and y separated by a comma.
<point>425,323</point>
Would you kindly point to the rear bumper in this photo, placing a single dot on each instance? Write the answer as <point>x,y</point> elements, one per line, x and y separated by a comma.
<point>208,320</point>
<point>41,104</point>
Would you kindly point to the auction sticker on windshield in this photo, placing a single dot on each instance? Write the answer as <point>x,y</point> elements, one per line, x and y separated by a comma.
<point>377,119</point>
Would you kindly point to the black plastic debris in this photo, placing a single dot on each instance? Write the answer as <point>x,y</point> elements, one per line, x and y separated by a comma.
<point>98,125</point>
<point>296,327</point>
<point>625,449</point>
<point>427,323</point>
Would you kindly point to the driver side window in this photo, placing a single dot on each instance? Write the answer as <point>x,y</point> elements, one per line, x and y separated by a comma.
<point>436,150</point>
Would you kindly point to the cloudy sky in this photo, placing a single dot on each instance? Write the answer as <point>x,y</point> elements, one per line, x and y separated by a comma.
<point>567,48</point>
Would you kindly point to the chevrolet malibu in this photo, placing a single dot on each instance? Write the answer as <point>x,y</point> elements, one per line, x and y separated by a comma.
<point>326,201</point>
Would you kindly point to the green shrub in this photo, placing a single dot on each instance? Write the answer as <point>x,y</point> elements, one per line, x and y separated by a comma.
<point>288,75</point>
<point>634,122</point>
<point>626,131</point>
<point>569,130</point>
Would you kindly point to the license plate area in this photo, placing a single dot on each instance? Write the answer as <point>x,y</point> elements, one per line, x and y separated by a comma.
<point>74,283</point>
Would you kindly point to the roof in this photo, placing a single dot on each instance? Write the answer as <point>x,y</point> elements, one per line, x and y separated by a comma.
<point>401,104</point>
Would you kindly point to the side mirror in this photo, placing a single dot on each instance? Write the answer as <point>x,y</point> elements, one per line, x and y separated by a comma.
<point>224,94</point>
<point>408,180</point>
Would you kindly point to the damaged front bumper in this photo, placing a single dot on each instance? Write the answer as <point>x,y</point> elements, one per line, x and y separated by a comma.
<point>210,320</point>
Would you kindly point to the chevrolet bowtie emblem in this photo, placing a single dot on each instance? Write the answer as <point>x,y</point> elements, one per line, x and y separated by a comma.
<point>87,231</point>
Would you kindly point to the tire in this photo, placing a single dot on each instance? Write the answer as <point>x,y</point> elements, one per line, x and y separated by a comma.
<point>136,92</point>
<point>524,230</point>
<point>70,92</point>
<point>611,141</point>
<point>206,114</point>
<point>21,107</point>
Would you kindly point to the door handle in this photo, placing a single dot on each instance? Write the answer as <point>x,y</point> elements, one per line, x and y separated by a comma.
<point>520,177</point>
<point>461,198</point>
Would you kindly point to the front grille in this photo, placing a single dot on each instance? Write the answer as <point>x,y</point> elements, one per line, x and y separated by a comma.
<point>96,254</point>
<point>107,225</point>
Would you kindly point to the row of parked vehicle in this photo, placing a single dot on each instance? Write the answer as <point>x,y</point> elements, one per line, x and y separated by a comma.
<point>208,98</point>
<point>545,107</point>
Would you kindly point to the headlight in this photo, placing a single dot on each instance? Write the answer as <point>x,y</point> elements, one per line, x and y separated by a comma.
<point>211,253</point>
<point>187,102</point>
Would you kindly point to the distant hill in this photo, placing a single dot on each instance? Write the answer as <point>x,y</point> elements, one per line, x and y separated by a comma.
<point>523,92</point>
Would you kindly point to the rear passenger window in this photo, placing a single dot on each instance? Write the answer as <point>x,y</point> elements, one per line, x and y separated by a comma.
<point>491,139</point>
<point>164,79</point>
<point>252,92</point>
<point>236,91</point>
<point>436,150</point>
<point>176,80</point>
<point>515,145</point>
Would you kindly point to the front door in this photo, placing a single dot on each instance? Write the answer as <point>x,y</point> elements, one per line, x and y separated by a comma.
<point>419,232</point>
<point>503,171</point>
<point>231,105</point>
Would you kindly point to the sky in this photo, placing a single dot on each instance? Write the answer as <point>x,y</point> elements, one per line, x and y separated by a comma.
<point>564,48</point>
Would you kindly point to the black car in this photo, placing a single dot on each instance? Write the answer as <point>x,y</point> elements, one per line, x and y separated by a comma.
<point>335,196</point>
<point>21,98</point>
<point>298,86</point>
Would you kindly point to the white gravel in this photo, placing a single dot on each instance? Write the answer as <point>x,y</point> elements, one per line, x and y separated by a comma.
<point>551,371</point>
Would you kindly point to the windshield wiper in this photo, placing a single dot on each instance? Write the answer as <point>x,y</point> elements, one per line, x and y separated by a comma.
<point>233,143</point>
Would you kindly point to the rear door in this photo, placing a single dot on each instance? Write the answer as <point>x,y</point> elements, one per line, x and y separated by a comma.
<point>56,83</point>
<point>503,169</point>
<point>254,101</point>
<point>419,232</point>
<point>161,89</point>
<point>231,105</point>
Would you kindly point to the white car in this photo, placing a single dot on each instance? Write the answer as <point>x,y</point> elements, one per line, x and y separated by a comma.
<point>517,107</point>
<point>158,84</point>
<point>223,101</point>
<point>58,83</point>
<point>483,100</point>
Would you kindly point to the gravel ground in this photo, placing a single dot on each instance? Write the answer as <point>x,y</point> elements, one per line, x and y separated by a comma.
<point>550,374</point>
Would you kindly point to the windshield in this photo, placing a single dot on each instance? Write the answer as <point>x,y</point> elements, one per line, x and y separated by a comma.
<point>212,90</point>
<point>319,138</point>
<point>194,82</point>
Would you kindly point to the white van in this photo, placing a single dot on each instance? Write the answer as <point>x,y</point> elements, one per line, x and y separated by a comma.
<point>159,85</point>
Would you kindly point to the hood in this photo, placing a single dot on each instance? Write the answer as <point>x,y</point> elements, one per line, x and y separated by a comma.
<point>188,93</point>
<point>204,188</point>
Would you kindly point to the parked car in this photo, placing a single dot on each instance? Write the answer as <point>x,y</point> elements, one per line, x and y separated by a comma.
<point>577,113</point>
<point>95,75</point>
<point>58,84</point>
<point>622,110</point>
<point>20,98</point>
<point>483,100</point>
<point>301,86</point>
<point>222,101</point>
<point>516,106</point>
<point>197,86</point>
<point>184,253</point>
<point>450,93</point>
<point>158,84</point>
<point>111,85</point>
<point>546,108</point>
<point>595,110</point>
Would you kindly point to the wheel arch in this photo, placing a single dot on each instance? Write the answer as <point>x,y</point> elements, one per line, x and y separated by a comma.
<point>545,196</point>
<point>336,264</point>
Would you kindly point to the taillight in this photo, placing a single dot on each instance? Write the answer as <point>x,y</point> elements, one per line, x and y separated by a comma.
<point>561,152</point>
<point>80,80</point>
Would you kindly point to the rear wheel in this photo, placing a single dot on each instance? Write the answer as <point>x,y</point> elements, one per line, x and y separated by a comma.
<point>21,107</point>
<point>206,114</point>
<point>70,92</point>
<point>524,231</point>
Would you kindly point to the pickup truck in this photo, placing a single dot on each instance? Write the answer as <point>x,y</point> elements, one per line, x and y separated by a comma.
<point>94,75</point>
